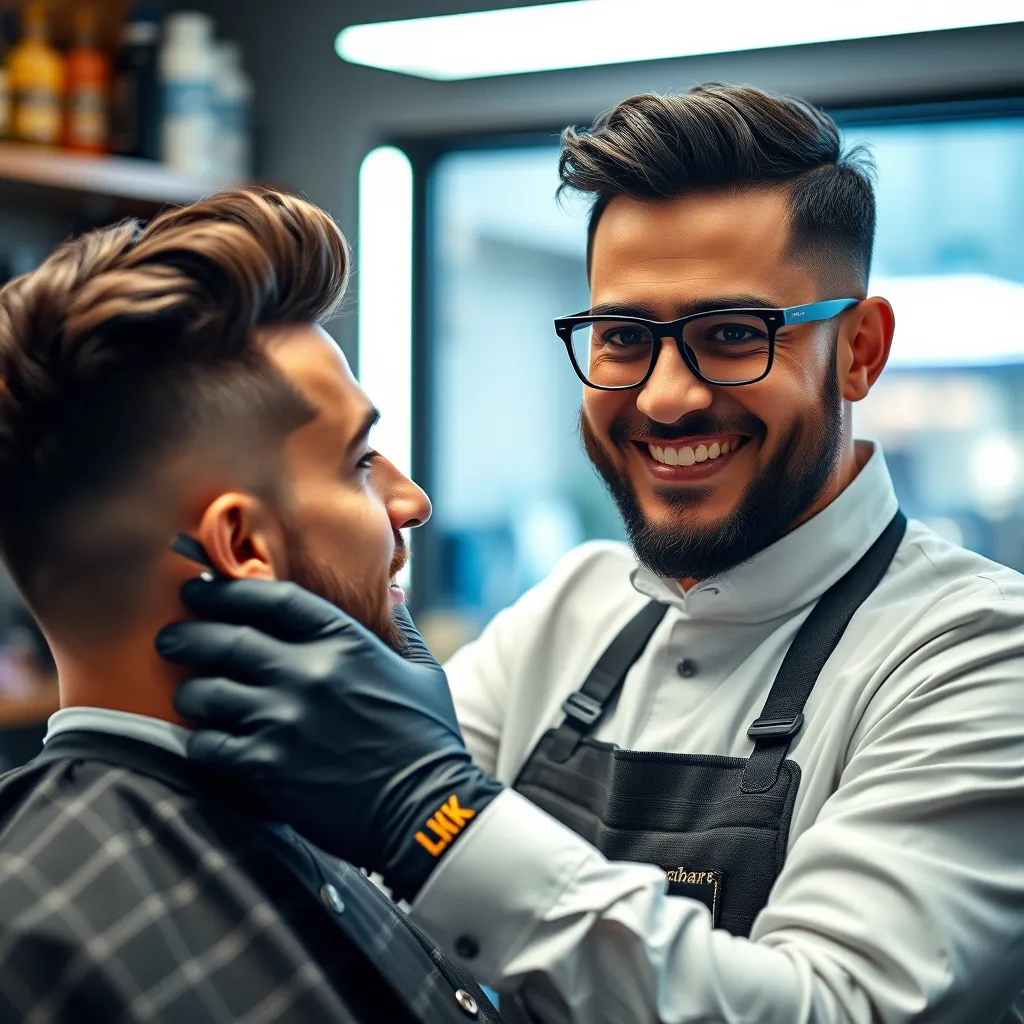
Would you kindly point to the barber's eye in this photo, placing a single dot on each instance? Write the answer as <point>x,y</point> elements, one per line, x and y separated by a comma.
<point>367,460</point>
<point>733,334</point>
<point>627,337</point>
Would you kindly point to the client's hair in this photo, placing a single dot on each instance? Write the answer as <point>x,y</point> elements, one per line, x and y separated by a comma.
<point>131,347</point>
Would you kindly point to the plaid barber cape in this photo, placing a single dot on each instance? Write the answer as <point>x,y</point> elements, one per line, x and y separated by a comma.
<point>127,895</point>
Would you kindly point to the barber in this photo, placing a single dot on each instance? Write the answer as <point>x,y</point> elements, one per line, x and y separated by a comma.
<point>768,767</point>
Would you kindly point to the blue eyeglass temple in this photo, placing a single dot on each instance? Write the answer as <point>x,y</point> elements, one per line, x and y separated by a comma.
<point>816,311</point>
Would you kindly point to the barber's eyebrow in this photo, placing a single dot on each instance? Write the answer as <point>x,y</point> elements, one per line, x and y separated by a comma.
<point>368,423</point>
<point>686,308</point>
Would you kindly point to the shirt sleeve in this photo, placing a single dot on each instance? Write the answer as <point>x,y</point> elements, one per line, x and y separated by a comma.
<point>478,677</point>
<point>903,902</point>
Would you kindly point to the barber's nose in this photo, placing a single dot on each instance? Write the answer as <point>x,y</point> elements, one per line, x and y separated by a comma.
<point>673,390</point>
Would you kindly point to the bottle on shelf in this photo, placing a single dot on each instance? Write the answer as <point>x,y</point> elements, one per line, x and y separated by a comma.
<point>135,129</point>
<point>187,65</point>
<point>5,78</point>
<point>36,81</point>
<point>87,110</point>
<point>232,99</point>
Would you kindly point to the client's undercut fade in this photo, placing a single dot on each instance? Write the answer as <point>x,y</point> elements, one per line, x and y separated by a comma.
<point>132,345</point>
<point>715,138</point>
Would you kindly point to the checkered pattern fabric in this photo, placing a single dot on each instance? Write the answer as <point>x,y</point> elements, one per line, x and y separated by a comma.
<point>128,896</point>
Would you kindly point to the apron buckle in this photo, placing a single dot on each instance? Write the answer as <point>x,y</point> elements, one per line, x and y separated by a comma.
<point>776,728</point>
<point>582,708</point>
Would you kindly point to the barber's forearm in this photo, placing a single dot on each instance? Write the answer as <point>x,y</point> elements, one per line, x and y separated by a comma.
<point>595,942</point>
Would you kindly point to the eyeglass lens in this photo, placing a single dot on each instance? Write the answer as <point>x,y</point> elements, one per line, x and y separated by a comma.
<point>727,348</point>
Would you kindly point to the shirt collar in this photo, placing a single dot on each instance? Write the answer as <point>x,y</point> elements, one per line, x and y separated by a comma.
<point>154,731</point>
<point>796,569</point>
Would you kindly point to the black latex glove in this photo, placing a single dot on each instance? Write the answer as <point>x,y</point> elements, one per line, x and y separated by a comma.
<point>325,726</point>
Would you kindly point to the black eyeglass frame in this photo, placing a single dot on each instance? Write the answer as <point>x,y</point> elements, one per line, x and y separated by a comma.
<point>773,318</point>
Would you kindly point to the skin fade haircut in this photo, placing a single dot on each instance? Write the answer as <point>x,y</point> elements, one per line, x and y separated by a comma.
<point>720,140</point>
<point>129,352</point>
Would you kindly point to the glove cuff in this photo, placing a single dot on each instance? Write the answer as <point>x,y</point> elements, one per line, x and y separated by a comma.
<point>439,813</point>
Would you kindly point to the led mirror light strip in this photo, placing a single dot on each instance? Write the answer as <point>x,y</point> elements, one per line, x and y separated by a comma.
<point>588,33</point>
<point>384,281</point>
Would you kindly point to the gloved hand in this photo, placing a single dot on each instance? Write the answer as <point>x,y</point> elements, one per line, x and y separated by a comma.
<point>325,726</point>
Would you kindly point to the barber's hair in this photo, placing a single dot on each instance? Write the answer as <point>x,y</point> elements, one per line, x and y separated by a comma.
<point>718,138</point>
<point>130,346</point>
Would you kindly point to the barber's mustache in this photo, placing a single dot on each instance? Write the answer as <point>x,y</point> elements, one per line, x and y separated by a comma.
<point>700,423</point>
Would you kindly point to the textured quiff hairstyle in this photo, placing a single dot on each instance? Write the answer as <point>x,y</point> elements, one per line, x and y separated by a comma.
<point>129,350</point>
<point>719,137</point>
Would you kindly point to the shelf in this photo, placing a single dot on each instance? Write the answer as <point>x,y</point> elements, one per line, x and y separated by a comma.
<point>47,177</point>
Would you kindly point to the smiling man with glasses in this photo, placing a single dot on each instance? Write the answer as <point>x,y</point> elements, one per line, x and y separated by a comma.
<point>766,764</point>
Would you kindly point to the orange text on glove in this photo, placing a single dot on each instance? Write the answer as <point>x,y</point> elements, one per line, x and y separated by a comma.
<point>449,820</point>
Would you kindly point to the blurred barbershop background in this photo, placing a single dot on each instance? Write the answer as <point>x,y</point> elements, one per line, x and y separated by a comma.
<point>430,131</point>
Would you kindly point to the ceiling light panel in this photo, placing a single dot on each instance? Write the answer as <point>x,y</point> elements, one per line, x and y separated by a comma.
<point>589,33</point>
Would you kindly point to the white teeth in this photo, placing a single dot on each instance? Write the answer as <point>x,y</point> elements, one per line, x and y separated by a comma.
<point>688,456</point>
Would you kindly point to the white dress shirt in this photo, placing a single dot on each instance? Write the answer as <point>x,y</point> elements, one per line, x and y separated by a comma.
<point>902,896</point>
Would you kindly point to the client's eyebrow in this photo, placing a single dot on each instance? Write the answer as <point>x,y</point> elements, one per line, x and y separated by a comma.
<point>359,437</point>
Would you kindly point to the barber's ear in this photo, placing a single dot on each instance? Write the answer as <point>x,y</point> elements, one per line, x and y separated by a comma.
<point>867,332</point>
<point>243,538</point>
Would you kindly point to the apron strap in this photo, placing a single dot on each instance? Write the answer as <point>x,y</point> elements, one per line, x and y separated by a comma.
<point>782,716</point>
<point>584,708</point>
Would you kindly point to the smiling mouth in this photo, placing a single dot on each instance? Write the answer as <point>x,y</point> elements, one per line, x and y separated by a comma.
<point>675,455</point>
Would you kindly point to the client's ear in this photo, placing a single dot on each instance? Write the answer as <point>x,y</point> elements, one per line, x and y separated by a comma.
<point>242,537</point>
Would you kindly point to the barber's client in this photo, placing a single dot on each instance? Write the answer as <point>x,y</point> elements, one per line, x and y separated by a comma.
<point>173,379</point>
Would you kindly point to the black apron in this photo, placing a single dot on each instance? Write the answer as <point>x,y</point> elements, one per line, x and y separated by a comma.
<point>718,826</point>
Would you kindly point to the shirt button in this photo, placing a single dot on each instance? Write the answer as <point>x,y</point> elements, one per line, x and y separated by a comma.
<point>467,947</point>
<point>467,1004</point>
<point>687,668</point>
<point>332,898</point>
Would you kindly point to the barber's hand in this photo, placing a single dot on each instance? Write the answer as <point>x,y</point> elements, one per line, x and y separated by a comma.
<point>325,726</point>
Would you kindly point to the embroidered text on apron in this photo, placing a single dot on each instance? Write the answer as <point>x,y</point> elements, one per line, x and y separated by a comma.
<point>719,826</point>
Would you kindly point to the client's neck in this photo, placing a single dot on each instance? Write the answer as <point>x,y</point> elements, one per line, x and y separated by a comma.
<point>127,675</point>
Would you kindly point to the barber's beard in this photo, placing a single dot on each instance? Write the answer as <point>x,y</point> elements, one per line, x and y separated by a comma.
<point>789,484</point>
<point>328,581</point>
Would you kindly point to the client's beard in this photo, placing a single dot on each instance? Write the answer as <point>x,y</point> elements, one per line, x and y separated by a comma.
<point>791,482</point>
<point>328,582</point>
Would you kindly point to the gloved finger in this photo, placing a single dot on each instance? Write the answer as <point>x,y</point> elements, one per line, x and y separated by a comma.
<point>416,649</point>
<point>220,750</point>
<point>239,652</point>
<point>219,703</point>
<point>276,607</point>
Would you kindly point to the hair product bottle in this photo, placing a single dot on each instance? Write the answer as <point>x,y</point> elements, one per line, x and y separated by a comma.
<point>5,77</point>
<point>135,129</point>
<point>233,96</point>
<point>87,113</point>
<point>187,64</point>
<point>37,81</point>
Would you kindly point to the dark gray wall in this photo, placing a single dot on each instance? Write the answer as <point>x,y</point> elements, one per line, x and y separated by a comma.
<point>317,116</point>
